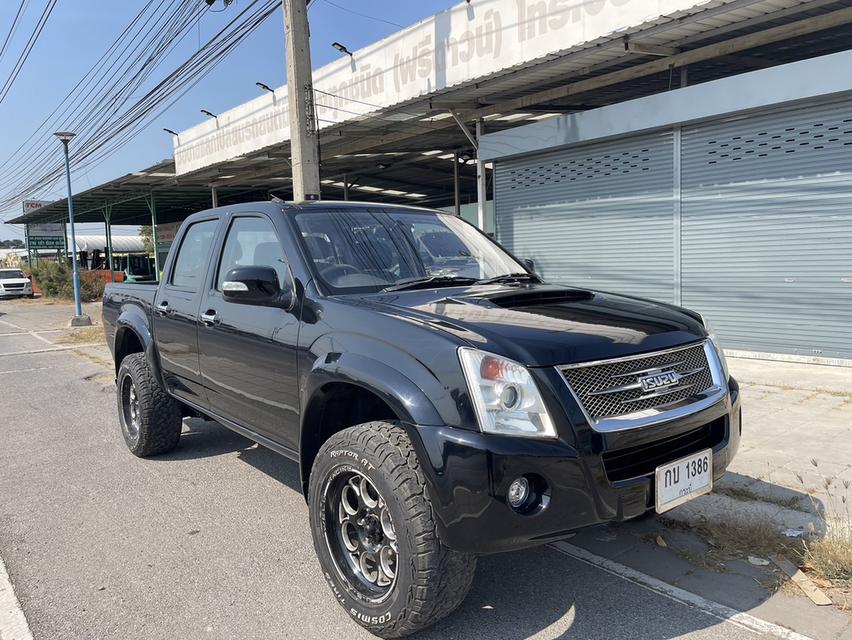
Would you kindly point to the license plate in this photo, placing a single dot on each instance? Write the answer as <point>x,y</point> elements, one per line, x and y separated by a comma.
<point>684,479</point>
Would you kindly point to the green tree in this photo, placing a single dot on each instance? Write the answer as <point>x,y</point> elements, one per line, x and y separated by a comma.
<point>146,232</point>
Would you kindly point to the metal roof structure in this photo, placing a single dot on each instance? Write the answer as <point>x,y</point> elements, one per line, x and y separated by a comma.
<point>120,244</point>
<point>128,200</point>
<point>406,153</point>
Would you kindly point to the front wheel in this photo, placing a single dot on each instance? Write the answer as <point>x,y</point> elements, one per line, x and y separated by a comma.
<point>150,418</point>
<point>374,533</point>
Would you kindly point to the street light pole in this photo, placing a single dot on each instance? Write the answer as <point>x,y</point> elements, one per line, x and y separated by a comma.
<point>79,320</point>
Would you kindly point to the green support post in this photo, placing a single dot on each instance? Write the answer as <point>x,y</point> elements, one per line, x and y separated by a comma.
<point>108,227</point>
<point>152,206</point>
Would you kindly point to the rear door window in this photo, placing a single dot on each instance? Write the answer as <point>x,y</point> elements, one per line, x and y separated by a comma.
<point>192,257</point>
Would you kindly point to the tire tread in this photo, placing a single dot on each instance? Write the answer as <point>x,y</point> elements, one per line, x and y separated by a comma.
<point>160,421</point>
<point>442,576</point>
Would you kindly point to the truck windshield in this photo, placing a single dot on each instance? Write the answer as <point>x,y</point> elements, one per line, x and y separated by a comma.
<point>372,249</point>
<point>9,274</point>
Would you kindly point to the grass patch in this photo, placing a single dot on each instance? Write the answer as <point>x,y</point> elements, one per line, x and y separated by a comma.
<point>747,495</point>
<point>827,560</point>
<point>84,335</point>
<point>739,538</point>
<point>831,557</point>
<point>743,538</point>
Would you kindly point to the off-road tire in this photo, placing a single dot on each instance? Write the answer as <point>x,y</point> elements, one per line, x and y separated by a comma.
<point>159,417</point>
<point>431,579</point>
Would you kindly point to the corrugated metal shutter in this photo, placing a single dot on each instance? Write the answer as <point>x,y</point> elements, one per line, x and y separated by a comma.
<point>599,216</point>
<point>767,229</point>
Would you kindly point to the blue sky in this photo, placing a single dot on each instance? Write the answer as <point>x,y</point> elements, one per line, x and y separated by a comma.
<point>79,31</point>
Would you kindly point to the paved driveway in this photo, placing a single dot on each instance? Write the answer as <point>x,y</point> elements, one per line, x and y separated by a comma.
<point>212,540</point>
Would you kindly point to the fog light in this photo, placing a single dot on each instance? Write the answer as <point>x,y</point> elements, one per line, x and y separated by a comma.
<point>519,490</point>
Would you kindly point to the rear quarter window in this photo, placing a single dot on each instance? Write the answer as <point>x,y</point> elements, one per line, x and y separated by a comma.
<point>193,255</point>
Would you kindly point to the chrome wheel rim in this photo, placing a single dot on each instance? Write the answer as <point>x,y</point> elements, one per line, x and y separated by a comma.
<point>360,535</point>
<point>130,406</point>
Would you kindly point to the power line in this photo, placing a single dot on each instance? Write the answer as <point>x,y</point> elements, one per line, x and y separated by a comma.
<point>121,127</point>
<point>101,92</point>
<point>14,27</point>
<point>100,69</point>
<point>28,47</point>
<point>362,15</point>
<point>368,116</point>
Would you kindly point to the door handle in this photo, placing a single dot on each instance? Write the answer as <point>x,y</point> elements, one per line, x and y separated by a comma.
<point>163,308</point>
<point>209,318</point>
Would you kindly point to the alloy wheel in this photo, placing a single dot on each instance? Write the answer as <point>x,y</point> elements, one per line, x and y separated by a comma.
<point>130,406</point>
<point>361,535</point>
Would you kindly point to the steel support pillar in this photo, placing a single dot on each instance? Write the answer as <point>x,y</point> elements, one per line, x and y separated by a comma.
<point>108,228</point>
<point>65,243</point>
<point>481,179</point>
<point>456,187</point>
<point>29,250</point>
<point>152,207</point>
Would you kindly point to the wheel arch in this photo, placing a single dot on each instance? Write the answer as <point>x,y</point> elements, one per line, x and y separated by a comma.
<point>344,390</point>
<point>132,335</point>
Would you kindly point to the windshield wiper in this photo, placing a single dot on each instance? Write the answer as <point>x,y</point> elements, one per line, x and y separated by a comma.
<point>510,277</point>
<point>428,281</point>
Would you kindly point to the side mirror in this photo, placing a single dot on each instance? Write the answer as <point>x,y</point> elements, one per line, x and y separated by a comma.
<point>257,286</point>
<point>529,263</point>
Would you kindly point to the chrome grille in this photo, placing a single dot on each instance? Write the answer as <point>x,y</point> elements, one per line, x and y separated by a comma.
<point>614,388</point>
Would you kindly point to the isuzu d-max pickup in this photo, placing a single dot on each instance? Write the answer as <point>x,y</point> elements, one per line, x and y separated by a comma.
<point>441,400</point>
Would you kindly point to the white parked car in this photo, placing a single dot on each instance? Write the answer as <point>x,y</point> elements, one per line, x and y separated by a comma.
<point>13,283</point>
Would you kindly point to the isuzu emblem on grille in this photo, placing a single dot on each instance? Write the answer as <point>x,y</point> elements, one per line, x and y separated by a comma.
<point>658,381</point>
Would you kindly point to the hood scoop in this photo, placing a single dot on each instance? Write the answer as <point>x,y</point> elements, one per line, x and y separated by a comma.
<point>537,297</point>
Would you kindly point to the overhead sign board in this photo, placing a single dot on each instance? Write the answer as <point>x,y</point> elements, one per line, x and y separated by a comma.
<point>46,235</point>
<point>32,205</point>
<point>458,46</point>
<point>167,231</point>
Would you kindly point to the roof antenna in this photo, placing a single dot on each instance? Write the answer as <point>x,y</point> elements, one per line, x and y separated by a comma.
<point>275,198</point>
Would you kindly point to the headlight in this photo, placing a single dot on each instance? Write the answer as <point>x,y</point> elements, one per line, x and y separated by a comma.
<point>720,353</point>
<point>505,396</point>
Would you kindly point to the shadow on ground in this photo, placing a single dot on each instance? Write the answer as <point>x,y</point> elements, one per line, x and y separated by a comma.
<point>542,591</point>
<point>208,439</point>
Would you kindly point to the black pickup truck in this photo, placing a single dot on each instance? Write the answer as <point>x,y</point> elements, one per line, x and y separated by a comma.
<point>441,400</point>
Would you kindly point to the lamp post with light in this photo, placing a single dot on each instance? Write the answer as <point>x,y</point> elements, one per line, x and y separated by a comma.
<point>79,320</point>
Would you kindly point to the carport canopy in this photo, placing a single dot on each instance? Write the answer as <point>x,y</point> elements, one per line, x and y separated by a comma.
<point>423,150</point>
<point>134,198</point>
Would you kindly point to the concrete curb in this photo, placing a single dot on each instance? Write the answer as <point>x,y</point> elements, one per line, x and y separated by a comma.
<point>13,622</point>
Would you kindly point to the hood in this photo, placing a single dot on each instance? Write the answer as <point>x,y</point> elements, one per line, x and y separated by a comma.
<point>544,325</point>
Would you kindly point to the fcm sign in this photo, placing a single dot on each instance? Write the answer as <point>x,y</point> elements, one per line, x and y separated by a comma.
<point>50,235</point>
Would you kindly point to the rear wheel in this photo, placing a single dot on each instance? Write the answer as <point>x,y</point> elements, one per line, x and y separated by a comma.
<point>374,533</point>
<point>150,418</point>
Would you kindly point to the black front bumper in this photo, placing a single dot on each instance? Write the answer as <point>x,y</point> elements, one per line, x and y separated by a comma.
<point>596,478</point>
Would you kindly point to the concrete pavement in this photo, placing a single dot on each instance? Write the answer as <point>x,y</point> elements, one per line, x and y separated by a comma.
<point>212,541</point>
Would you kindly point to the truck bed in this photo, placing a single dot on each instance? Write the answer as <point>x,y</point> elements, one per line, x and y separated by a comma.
<point>119,296</point>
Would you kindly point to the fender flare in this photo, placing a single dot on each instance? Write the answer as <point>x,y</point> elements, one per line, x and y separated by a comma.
<point>408,401</point>
<point>132,319</point>
<point>410,404</point>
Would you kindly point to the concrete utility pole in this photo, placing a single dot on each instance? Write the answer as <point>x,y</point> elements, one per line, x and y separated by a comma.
<point>304,137</point>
